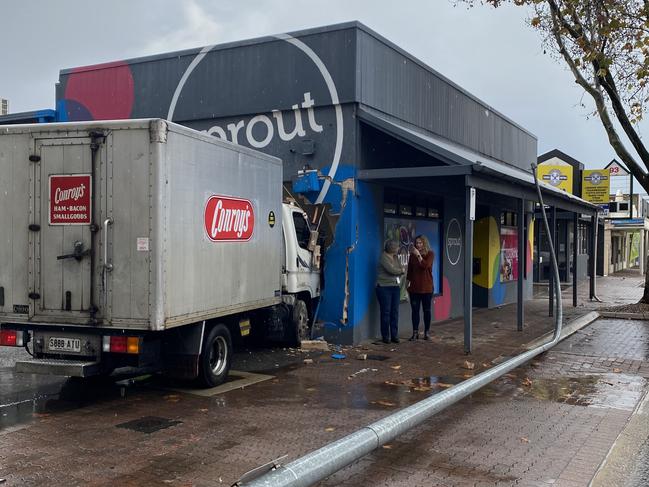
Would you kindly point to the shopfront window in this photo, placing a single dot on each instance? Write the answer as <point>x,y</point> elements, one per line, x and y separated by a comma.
<point>414,216</point>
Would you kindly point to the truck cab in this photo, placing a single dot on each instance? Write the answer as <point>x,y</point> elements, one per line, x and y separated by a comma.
<point>300,270</point>
<point>301,266</point>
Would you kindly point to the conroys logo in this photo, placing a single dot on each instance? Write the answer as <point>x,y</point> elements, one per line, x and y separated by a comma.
<point>229,219</point>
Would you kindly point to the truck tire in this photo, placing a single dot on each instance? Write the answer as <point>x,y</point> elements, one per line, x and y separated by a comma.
<point>299,327</point>
<point>216,357</point>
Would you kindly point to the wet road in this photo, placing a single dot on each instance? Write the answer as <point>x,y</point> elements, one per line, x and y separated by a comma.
<point>551,422</point>
<point>24,397</point>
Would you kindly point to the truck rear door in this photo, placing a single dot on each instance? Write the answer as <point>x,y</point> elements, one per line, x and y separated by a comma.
<point>65,243</point>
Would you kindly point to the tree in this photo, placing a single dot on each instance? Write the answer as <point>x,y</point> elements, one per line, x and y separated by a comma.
<point>605,43</point>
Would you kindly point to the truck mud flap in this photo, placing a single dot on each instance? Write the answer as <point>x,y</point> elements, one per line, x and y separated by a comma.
<point>68,368</point>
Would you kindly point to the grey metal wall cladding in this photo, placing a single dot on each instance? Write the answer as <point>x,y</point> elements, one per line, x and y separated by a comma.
<point>286,74</point>
<point>247,78</point>
<point>396,84</point>
<point>315,148</point>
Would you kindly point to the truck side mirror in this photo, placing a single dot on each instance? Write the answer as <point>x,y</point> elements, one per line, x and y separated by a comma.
<point>313,240</point>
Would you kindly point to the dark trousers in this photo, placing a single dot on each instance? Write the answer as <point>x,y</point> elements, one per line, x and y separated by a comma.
<point>425,300</point>
<point>388,297</point>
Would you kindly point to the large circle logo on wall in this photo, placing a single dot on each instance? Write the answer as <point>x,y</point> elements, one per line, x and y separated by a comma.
<point>240,130</point>
<point>453,241</point>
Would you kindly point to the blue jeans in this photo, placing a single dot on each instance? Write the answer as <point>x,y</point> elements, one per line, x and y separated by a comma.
<point>388,297</point>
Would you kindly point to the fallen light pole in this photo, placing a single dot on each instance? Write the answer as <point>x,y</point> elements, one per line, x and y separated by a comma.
<point>319,464</point>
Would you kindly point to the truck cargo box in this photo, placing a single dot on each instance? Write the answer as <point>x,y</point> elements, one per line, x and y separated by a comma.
<point>140,224</point>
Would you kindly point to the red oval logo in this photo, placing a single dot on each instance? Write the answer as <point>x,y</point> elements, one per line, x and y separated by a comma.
<point>229,219</point>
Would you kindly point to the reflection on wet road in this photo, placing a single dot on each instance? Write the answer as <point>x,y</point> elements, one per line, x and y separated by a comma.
<point>39,396</point>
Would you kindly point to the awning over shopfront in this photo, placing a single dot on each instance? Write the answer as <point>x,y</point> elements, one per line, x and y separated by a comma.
<point>480,171</point>
<point>473,171</point>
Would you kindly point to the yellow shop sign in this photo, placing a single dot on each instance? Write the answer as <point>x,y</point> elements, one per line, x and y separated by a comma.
<point>596,186</point>
<point>557,175</point>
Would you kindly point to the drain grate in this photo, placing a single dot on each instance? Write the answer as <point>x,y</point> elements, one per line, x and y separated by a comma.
<point>377,357</point>
<point>148,424</point>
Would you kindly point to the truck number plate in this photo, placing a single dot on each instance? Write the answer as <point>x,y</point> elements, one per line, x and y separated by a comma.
<point>57,344</point>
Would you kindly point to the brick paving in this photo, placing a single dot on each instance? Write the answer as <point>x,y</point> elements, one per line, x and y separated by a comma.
<point>555,431</point>
<point>550,423</point>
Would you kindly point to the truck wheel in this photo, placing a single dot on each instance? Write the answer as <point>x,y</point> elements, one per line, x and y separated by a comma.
<point>216,357</point>
<point>299,323</point>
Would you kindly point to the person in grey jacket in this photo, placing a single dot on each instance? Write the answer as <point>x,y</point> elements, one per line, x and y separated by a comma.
<point>388,281</point>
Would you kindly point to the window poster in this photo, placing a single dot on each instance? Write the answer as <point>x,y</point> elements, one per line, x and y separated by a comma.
<point>508,254</point>
<point>404,231</point>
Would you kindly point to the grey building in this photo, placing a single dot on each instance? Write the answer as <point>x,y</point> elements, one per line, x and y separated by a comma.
<point>395,150</point>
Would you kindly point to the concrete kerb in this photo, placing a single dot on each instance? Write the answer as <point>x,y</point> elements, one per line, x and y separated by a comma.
<point>567,330</point>
<point>621,458</point>
<point>624,316</point>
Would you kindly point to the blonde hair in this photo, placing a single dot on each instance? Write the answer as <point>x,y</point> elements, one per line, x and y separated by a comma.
<point>425,242</point>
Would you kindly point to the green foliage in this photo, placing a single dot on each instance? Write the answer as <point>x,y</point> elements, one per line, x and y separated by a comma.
<point>608,41</point>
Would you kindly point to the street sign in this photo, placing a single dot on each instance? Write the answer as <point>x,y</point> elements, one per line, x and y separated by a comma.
<point>616,169</point>
<point>472,205</point>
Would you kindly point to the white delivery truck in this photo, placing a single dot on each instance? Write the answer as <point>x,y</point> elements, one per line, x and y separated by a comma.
<point>144,243</point>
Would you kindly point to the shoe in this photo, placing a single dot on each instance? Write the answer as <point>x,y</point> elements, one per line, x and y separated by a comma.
<point>395,340</point>
<point>415,336</point>
<point>385,340</point>
<point>426,336</point>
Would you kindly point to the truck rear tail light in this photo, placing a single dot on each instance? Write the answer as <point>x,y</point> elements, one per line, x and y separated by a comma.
<point>121,344</point>
<point>132,345</point>
<point>11,338</point>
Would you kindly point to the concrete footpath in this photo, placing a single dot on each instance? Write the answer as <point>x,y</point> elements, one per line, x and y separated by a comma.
<point>550,423</point>
<point>627,463</point>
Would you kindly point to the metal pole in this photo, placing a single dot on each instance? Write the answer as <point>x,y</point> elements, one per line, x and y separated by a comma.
<point>593,255</point>
<point>468,274</point>
<point>318,465</point>
<point>595,259</point>
<point>641,252</point>
<point>631,197</point>
<point>551,239</point>
<point>522,261</point>
<point>575,241</point>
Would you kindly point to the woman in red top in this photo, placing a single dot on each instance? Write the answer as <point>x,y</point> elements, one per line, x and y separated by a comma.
<point>420,284</point>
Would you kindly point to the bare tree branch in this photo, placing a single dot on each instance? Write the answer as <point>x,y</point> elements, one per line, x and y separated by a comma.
<point>600,103</point>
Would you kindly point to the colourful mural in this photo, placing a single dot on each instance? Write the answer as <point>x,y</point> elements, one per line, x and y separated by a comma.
<point>442,303</point>
<point>486,252</point>
<point>96,93</point>
<point>508,254</point>
<point>404,231</point>
<point>491,244</point>
<point>530,246</point>
<point>487,256</point>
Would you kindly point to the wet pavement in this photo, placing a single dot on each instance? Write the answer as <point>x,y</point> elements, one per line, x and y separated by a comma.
<point>640,472</point>
<point>549,423</point>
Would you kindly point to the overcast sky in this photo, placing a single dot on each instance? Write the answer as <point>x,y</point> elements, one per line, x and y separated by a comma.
<point>490,52</point>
